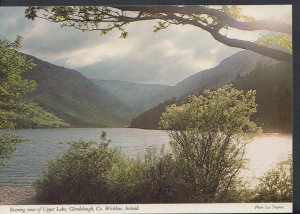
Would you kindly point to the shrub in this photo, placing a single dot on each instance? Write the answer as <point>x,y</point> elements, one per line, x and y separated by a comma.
<point>93,173</point>
<point>78,176</point>
<point>276,184</point>
<point>157,177</point>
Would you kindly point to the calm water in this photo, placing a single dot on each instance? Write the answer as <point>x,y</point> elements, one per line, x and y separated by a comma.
<point>30,158</point>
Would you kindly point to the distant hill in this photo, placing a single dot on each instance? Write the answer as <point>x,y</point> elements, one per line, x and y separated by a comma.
<point>77,100</point>
<point>239,63</point>
<point>243,69</point>
<point>142,97</point>
<point>135,95</point>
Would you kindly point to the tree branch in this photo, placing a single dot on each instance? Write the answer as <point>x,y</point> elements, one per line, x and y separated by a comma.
<point>223,17</point>
<point>269,52</point>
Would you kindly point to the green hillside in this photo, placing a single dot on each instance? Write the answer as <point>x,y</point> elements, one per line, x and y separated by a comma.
<point>39,118</point>
<point>72,97</point>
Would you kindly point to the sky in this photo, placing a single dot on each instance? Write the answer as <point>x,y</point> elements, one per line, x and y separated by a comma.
<point>165,57</point>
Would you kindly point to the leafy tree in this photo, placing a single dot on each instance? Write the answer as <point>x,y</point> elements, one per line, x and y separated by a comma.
<point>215,20</point>
<point>12,86</point>
<point>8,143</point>
<point>209,133</point>
<point>12,91</point>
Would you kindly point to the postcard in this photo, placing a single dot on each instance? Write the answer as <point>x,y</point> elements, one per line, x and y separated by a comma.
<point>146,109</point>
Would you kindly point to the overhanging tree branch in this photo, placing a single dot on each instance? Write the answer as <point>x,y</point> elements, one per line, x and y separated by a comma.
<point>225,18</point>
<point>212,20</point>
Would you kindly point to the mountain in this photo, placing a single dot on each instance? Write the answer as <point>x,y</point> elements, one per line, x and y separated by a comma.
<point>239,64</point>
<point>135,95</point>
<point>243,69</point>
<point>228,70</point>
<point>72,97</point>
<point>142,97</point>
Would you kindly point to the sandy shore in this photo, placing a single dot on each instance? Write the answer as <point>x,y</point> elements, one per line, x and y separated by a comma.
<point>10,195</point>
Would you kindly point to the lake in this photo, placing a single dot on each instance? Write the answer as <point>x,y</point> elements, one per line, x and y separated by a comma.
<point>31,157</point>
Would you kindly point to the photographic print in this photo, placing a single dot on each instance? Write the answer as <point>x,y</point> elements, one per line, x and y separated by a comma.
<point>146,109</point>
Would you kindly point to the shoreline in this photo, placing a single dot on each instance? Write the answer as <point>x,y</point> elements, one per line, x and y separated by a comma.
<point>17,195</point>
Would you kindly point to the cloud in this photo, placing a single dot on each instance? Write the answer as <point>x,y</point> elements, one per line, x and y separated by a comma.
<point>166,57</point>
<point>12,22</point>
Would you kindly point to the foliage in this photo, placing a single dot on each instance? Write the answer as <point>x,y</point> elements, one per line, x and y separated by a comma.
<point>82,175</point>
<point>12,91</point>
<point>14,106</point>
<point>275,185</point>
<point>91,172</point>
<point>282,40</point>
<point>157,177</point>
<point>78,176</point>
<point>12,86</point>
<point>8,143</point>
<point>209,133</point>
<point>143,180</point>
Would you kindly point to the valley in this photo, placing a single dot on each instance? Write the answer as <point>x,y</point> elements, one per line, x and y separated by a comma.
<point>81,102</point>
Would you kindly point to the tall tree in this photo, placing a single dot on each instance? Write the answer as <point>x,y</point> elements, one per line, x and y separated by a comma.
<point>12,91</point>
<point>211,19</point>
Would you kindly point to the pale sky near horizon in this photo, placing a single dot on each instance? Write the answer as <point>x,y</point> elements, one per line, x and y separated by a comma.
<point>165,57</point>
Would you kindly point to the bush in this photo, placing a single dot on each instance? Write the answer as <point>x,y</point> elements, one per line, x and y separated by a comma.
<point>93,173</point>
<point>78,176</point>
<point>154,178</point>
<point>275,185</point>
